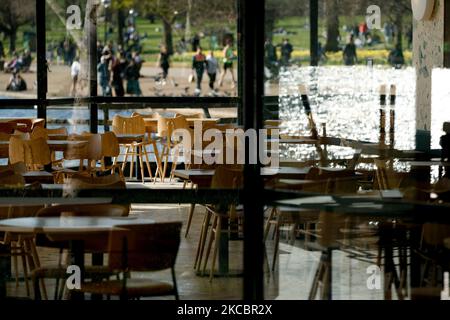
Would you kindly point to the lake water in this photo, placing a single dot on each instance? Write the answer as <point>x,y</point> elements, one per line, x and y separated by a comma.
<point>345,98</point>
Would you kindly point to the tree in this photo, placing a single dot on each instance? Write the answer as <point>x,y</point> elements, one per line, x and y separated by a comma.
<point>332,25</point>
<point>13,15</point>
<point>120,6</point>
<point>168,11</point>
<point>396,11</point>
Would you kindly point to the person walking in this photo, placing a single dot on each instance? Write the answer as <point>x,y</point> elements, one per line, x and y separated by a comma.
<point>199,65</point>
<point>119,65</point>
<point>104,76</point>
<point>75,74</point>
<point>228,59</point>
<point>286,52</point>
<point>349,53</point>
<point>164,63</point>
<point>212,68</point>
<point>132,77</point>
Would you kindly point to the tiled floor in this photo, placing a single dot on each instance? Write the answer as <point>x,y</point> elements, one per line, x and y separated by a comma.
<point>292,280</point>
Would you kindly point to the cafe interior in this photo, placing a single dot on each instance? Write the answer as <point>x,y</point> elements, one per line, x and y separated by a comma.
<point>324,182</point>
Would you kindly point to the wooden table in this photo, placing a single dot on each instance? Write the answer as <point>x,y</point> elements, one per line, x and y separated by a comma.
<point>54,145</point>
<point>152,123</point>
<point>203,177</point>
<point>57,137</point>
<point>73,229</point>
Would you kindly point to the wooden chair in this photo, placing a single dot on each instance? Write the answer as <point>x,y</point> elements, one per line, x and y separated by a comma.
<point>386,178</point>
<point>224,178</point>
<point>23,125</point>
<point>94,244</point>
<point>110,150</point>
<point>41,132</point>
<point>37,123</point>
<point>152,247</point>
<point>22,245</point>
<point>322,182</point>
<point>135,125</point>
<point>7,127</point>
<point>35,153</point>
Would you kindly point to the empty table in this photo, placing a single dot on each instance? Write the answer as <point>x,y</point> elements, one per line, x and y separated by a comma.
<point>73,229</point>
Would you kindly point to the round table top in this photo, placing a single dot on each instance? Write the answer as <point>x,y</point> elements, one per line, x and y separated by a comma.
<point>64,225</point>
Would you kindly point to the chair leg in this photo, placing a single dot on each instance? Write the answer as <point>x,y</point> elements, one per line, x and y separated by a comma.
<point>37,263</point>
<point>127,153</point>
<point>268,223</point>
<point>37,292</point>
<point>141,162</point>
<point>316,280</point>
<point>202,241</point>
<point>25,271</point>
<point>276,245</point>
<point>175,286</point>
<point>16,269</point>
<point>216,247</point>
<point>191,215</point>
<point>166,153</point>
<point>174,162</point>
<point>211,239</point>
<point>147,162</point>
<point>133,158</point>
<point>158,160</point>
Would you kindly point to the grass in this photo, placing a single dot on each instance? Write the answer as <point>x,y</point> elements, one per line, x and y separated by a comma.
<point>297,29</point>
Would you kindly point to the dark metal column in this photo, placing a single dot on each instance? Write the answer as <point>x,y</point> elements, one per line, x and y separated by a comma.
<point>252,33</point>
<point>314,31</point>
<point>41,76</point>
<point>240,67</point>
<point>92,61</point>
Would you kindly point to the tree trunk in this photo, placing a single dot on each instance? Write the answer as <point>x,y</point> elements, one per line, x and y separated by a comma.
<point>270,23</point>
<point>168,38</point>
<point>121,24</point>
<point>332,13</point>
<point>187,32</point>
<point>12,40</point>
<point>399,24</point>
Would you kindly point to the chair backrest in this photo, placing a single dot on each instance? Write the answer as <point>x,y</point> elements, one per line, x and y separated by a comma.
<point>60,131</point>
<point>128,125</point>
<point>434,234</point>
<point>151,247</point>
<point>39,132</point>
<point>165,126</point>
<point>227,177</point>
<point>326,181</point>
<point>180,122</point>
<point>387,179</point>
<point>75,185</point>
<point>90,151</point>
<point>27,124</point>
<point>91,210</point>
<point>7,127</point>
<point>92,243</point>
<point>4,136</point>
<point>103,180</point>
<point>110,145</point>
<point>37,123</point>
<point>33,152</point>
<point>18,168</point>
<point>10,179</point>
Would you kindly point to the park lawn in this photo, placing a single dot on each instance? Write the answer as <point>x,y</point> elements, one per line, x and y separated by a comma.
<point>297,30</point>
